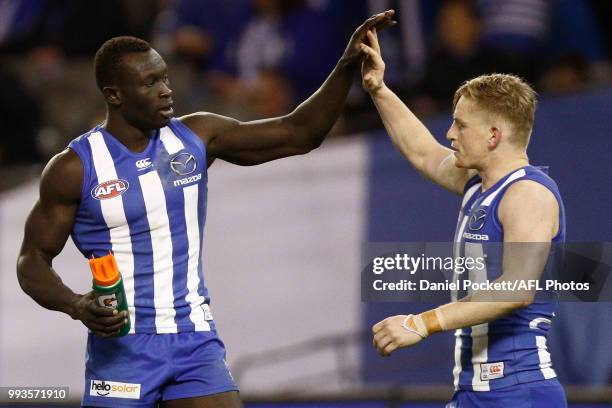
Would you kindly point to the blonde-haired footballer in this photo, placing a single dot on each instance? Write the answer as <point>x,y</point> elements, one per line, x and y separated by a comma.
<point>501,358</point>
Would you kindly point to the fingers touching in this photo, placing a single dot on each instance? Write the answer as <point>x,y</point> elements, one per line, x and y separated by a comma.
<point>381,20</point>
<point>373,39</point>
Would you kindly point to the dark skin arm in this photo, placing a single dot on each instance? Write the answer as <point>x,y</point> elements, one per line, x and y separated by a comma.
<point>250,143</point>
<point>46,232</point>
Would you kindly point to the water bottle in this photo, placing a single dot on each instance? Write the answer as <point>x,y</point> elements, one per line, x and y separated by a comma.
<point>108,286</point>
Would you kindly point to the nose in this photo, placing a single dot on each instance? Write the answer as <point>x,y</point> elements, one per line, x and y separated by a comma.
<point>449,135</point>
<point>165,90</point>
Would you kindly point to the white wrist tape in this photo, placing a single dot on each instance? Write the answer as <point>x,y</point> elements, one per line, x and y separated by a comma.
<point>415,324</point>
<point>441,319</point>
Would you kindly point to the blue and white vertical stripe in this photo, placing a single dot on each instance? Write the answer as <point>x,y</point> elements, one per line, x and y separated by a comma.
<point>154,227</point>
<point>510,350</point>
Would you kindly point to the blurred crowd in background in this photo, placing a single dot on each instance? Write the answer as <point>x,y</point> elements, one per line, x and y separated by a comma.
<point>252,59</point>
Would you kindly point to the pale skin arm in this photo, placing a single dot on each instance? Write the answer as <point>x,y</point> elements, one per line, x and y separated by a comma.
<point>529,213</point>
<point>407,132</point>
<point>304,129</point>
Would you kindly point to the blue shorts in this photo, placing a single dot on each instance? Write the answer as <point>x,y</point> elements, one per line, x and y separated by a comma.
<point>538,394</point>
<point>139,370</point>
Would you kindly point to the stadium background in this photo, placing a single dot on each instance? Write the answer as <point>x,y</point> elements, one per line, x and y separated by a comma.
<point>283,240</point>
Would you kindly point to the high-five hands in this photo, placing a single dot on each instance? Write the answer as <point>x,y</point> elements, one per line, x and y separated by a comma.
<point>372,66</point>
<point>377,22</point>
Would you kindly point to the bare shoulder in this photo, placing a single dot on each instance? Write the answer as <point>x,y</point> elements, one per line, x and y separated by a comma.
<point>529,194</point>
<point>528,205</point>
<point>208,125</point>
<point>62,178</point>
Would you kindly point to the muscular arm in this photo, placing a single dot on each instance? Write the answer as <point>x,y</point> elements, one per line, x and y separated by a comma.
<point>529,214</point>
<point>46,232</point>
<point>407,132</point>
<point>250,143</point>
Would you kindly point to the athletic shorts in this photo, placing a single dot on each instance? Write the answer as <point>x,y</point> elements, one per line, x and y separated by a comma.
<point>139,370</point>
<point>538,394</point>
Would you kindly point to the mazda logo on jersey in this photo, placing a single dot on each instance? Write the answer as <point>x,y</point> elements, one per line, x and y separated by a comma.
<point>183,164</point>
<point>109,189</point>
<point>477,219</point>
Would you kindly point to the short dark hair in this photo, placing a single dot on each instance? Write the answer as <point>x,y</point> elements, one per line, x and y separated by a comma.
<point>108,57</point>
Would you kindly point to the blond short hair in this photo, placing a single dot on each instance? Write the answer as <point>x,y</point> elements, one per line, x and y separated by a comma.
<point>505,95</point>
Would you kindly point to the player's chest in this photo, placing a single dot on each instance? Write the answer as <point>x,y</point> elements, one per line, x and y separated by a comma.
<point>479,222</point>
<point>148,188</point>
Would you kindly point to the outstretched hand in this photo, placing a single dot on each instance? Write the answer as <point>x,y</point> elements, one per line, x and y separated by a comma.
<point>354,51</point>
<point>372,66</point>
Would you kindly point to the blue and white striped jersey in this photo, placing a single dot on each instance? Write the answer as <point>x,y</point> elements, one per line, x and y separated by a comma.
<point>149,208</point>
<point>511,350</point>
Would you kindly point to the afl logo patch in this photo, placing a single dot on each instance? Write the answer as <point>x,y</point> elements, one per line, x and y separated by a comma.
<point>109,189</point>
<point>477,219</point>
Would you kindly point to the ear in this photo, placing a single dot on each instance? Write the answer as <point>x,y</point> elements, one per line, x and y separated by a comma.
<point>495,137</point>
<point>112,95</point>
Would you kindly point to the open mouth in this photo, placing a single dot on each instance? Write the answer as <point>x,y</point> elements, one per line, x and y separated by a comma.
<point>167,111</point>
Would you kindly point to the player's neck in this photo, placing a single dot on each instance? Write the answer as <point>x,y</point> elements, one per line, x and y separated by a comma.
<point>136,140</point>
<point>496,170</point>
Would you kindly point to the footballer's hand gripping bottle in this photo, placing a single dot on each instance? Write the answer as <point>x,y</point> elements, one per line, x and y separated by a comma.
<point>108,285</point>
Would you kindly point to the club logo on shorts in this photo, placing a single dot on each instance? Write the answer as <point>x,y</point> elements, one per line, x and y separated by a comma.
<point>477,220</point>
<point>101,388</point>
<point>183,164</point>
<point>109,189</point>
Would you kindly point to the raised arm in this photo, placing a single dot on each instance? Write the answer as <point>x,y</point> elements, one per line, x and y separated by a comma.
<point>46,232</point>
<point>250,143</point>
<point>529,214</point>
<point>407,132</point>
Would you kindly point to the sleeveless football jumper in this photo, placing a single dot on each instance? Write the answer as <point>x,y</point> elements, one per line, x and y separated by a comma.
<point>149,209</point>
<point>510,350</point>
